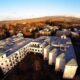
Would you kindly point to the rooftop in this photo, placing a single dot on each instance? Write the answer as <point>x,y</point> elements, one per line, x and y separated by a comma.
<point>13,45</point>
<point>72,62</point>
<point>53,50</point>
<point>70,53</point>
<point>61,55</point>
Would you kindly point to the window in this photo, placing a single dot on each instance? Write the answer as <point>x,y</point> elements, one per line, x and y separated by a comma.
<point>1,63</point>
<point>35,49</point>
<point>2,57</point>
<point>11,64</point>
<point>19,53</point>
<point>3,68</point>
<point>32,49</point>
<point>6,61</point>
<point>24,49</point>
<point>16,57</point>
<point>8,69</point>
<point>16,54</point>
<point>9,60</point>
<point>20,56</point>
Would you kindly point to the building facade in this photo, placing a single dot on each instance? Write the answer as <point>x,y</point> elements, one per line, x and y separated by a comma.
<point>56,50</point>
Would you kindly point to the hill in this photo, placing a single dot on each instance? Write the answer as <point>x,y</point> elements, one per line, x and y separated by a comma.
<point>43,19</point>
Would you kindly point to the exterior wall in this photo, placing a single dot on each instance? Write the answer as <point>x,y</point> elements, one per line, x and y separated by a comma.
<point>4,64</point>
<point>35,50</point>
<point>50,61</point>
<point>34,47</point>
<point>44,44</point>
<point>33,43</point>
<point>46,51</point>
<point>57,65</point>
<point>13,59</point>
<point>69,72</point>
<point>2,57</point>
<point>60,63</point>
<point>52,58</point>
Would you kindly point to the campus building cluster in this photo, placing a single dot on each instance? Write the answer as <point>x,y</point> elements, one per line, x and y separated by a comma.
<point>57,50</point>
<point>48,30</point>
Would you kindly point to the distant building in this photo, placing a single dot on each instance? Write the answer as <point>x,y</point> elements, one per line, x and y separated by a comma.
<point>19,34</point>
<point>75,34</point>
<point>52,28</point>
<point>65,32</point>
<point>45,32</point>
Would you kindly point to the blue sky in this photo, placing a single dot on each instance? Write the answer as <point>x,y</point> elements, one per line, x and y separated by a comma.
<point>20,9</point>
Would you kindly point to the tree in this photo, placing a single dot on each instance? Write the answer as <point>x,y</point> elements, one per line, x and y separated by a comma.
<point>6,31</point>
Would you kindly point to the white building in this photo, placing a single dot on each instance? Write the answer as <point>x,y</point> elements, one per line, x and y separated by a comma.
<point>47,49</point>
<point>14,49</point>
<point>71,63</point>
<point>70,69</point>
<point>52,56</point>
<point>11,54</point>
<point>60,62</point>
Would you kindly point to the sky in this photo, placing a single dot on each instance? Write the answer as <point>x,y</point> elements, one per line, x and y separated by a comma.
<point>22,9</point>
